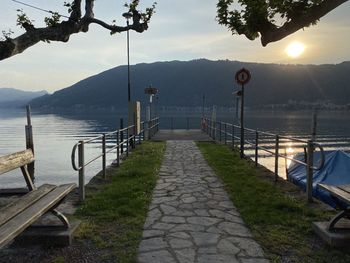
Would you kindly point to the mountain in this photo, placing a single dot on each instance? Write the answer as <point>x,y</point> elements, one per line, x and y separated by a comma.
<point>184,83</point>
<point>12,98</point>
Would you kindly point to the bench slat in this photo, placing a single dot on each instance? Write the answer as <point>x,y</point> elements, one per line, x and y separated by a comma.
<point>19,223</point>
<point>345,187</point>
<point>337,192</point>
<point>15,160</point>
<point>14,208</point>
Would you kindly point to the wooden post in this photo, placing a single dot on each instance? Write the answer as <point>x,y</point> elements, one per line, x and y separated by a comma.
<point>309,170</point>
<point>256,147</point>
<point>81,164</point>
<point>30,142</point>
<point>276,157</point>
<point>104,156</point>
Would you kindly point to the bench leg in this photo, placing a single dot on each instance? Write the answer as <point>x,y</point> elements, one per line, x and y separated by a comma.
<point>61,217</point>
<point>334,220</point>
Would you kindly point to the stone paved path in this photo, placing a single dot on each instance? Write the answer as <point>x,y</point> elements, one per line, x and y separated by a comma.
<point>191,218</point>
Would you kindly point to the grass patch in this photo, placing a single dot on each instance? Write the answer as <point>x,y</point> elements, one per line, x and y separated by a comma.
<point>279,220</point>
<point>114,213</point>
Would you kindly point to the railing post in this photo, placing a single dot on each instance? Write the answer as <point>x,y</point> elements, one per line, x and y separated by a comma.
<point>214,130</point>
<point>233,136</point>
<point>121,126</point>
<point>143,130</point>
<point>276,157</point>
<point>127,142</point>
<point>256,147</point>
<point>149,129</point>
<point>118,149</point>
<point>81,171</point>
<point>104,156</point>
<point>309,171</point>
<point>225,133</point>
<point>242,141</point>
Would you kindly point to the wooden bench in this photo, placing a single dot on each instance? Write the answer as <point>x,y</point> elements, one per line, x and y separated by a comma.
<point>342,192</point>
<point>20,214</point>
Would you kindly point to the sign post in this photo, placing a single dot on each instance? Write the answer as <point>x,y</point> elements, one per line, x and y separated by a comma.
<point>242,77</point>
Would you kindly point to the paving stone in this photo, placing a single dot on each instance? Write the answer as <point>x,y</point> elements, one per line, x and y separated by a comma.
<point>204,239</point>
<point>248,246</point>
<point>173,219</point>
<point>203,221</point>
<point>167,209</point>
<point>226,247</point>
<point>176,243</point>
<point>182,235</point>
<point>209,258</point>
<point>161,256</point>
<point>201,212</point>
<point>234,229</point>
<point>156,243</point>
<point>185,255</point>
<point>162,226</point>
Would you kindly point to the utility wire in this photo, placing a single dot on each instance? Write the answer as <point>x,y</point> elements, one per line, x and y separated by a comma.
<point>37,8</point>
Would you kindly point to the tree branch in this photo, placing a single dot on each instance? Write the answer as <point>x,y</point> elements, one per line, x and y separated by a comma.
<point>290,27</point>
<point>62,31</point>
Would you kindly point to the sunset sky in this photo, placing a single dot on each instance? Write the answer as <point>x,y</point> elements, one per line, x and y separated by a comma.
<point>180,30</point>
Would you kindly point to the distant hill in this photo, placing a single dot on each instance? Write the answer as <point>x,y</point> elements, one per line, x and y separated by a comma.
<point>184,83</point>
<point>14,98</point>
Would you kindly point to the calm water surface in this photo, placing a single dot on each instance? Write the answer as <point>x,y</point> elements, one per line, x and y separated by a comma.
<point>55,135</point>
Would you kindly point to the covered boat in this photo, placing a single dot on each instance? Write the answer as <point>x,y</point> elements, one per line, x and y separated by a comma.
<point>336,171</point>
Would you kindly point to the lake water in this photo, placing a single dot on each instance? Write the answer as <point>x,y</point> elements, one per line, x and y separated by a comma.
<point>55,135</point>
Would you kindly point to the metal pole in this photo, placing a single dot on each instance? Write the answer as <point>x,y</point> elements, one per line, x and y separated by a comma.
<point>225,133</point>
<point>127,142</point>
<point>256,147</point>
<point>118,149</point>
<point>276,157</point>
<point>128,51</point>
<point>121,126</point>
<point>81,171</point>
<point>309,171</point>
<point>104,156</point>
<point>242,122</point>
<point>233,136</point>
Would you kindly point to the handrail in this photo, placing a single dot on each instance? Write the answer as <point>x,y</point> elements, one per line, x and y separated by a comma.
<point>215,127</point>
<point>152,128</point>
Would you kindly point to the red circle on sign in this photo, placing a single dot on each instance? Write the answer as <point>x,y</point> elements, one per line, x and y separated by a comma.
<point>242,76</point>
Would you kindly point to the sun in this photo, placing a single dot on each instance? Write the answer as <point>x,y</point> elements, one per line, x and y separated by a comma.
<point>295,49</point>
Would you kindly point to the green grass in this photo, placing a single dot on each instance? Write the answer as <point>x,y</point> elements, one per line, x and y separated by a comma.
<point>279,221</point>
<point>114,213</point>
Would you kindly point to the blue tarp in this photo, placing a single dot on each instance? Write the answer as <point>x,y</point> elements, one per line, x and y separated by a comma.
<point>336,171</point>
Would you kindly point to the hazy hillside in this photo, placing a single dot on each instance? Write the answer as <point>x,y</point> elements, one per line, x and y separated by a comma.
<point>184,83</point>
<point>10,97</point>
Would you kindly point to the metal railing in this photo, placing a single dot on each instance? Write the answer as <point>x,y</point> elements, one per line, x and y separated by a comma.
<point>229,133</point>
<point>125,138</point>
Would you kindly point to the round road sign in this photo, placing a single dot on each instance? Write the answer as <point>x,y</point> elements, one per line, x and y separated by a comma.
<point>242,76</point>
